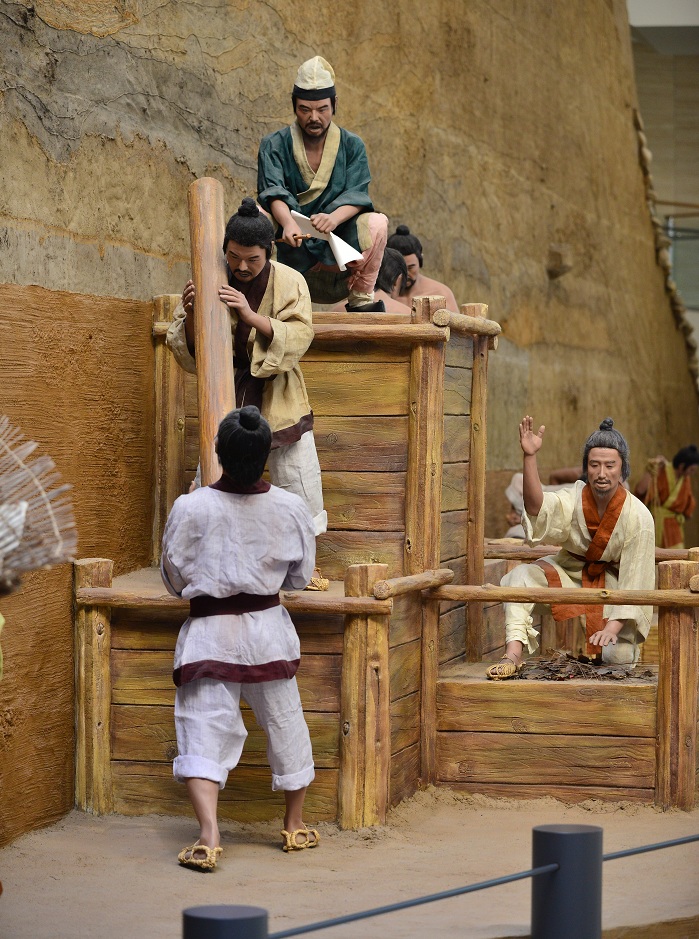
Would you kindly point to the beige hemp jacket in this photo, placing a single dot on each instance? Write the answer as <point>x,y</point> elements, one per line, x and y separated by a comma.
<point>287,303</point>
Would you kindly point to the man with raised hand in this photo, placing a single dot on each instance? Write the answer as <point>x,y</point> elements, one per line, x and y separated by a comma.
<point>607,541</point>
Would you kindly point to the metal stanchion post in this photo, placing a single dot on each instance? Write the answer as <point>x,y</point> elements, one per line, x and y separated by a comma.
<point>224,922</point>
<point>567,902</point>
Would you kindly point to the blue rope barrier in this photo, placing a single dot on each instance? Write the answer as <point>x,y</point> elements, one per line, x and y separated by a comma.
<point>629,852</point>
<point>417,901</point>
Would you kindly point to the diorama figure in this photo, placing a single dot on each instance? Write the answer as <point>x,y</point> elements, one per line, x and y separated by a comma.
<point>393,276</point>
<point>606,539</point>
<point>321,171</point>
<point>229,548</point>
<point>272,327</point>
<point>666,488</point>
<point>418,285</point>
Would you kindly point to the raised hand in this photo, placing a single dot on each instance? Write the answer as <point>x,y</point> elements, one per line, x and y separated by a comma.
<point>529,440</point>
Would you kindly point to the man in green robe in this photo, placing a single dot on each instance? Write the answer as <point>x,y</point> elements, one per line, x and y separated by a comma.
<point>321,171</point>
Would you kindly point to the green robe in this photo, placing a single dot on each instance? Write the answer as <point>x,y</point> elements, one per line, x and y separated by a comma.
<point>341,179</point>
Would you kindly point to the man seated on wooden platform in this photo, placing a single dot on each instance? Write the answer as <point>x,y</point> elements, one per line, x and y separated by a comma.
<point>321,171</point>
<point>272,327</point>
<point>607,540</point>
<point>418,285</point>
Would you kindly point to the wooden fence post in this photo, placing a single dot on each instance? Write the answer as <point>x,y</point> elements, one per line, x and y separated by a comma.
<point>93,688</point>
<point>169,425</point>
<point>475,524</point>
<point>678,686</point>
<point>365,719</point>
<point>423,510</point>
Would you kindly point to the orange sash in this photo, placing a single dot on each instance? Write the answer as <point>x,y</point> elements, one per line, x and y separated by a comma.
<point>594,569</point>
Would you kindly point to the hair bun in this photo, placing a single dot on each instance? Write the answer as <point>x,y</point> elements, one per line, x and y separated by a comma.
<point>248,208</point>
<point>249,417</point>
<point>606,424</point>
<point>402,230</point>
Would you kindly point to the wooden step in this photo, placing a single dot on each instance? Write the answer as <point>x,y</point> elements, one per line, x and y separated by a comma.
<point>572,740</point>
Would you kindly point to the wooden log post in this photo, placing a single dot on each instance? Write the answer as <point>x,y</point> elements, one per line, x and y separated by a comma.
<point>365,717</point>
<point>475,519</point>
<point>93,688</point>
<point>169,426</point>
<point>423,511</point>
<point>678,687</point>
<point>212,321</point>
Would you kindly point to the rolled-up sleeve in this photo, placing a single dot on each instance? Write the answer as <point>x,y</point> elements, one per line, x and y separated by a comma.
<point>176,340</point>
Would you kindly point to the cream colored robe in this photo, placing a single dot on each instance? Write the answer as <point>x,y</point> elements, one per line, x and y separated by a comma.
<point>561,521</point>
<point>287,303</point>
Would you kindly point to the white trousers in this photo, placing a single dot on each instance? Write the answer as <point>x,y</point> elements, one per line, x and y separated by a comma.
<point>296,469</point>
<point>518,619</point>
<point>211,732</point>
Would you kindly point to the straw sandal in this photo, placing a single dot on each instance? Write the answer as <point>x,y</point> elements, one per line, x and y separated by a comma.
<point>317,581</point>
<point>504,669</point>
<point>312,839</point>
<point>187,857</point>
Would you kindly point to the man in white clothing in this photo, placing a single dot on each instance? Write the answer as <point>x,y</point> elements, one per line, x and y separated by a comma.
<point>229,548</point>
<point>607,540</point>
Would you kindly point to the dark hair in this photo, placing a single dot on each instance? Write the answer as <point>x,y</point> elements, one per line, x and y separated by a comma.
<point>392,266</point>
<point>610,439</point>
<point>295,98</point>
<point>243,443</point>
<point>687,456</point>
<point>406,243</point>
<point>249,227</point>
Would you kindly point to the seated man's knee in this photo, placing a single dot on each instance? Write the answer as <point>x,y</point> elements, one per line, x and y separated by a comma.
<point>621,653</point>
<point>524,575</point>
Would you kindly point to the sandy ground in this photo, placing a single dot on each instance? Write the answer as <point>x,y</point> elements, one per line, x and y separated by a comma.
<point>117,876</point>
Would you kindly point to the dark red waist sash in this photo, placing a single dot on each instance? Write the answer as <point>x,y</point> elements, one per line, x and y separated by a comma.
<point>236,604</point>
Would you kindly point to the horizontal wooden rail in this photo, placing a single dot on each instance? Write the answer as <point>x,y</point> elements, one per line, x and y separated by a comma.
<point>488,593</point>
<point>496,551</point>
<point>323,318</point>
<point>310,602</point>
<point>319,603</point>
<point>383,589</point>
<point>466,325</point>
<point>405,333</point>
<point>401,332</point>
<point>694,583</point>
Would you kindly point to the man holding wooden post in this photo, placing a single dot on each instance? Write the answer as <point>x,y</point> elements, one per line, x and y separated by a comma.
<point>607,540</point>
<point>319,170</point>
<point>271,321</point>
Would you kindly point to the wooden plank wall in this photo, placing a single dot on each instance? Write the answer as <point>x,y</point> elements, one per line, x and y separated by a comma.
<point>143,729</point>
<point>572,741</point>
<point>457,408</point>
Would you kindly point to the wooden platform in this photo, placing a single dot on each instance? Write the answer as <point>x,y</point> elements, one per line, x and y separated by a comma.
<point>137,676</point>
<point>572,740</point>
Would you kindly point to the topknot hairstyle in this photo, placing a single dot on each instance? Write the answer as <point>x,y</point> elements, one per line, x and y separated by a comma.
<point>243,443</point>
<point>687,456</point>
<point>249,227</point>
<point>406,243</point>
<point>610,439</point>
